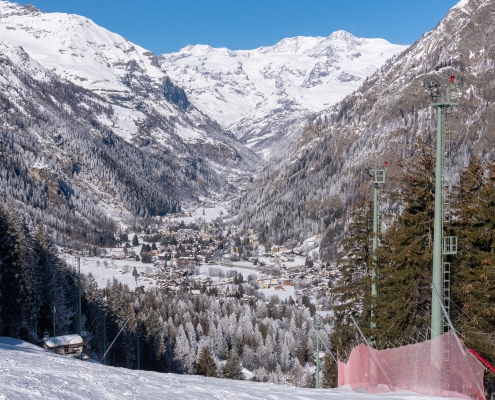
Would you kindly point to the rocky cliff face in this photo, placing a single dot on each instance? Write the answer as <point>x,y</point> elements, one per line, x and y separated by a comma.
<point>265,96</point>
<point>313,188</point>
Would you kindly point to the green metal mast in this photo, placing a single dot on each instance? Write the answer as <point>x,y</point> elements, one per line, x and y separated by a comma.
<point>78,299</point>
<point>318,327</point>
<point>442,97</point>
<point>54,315</point>
<point>378,179</point>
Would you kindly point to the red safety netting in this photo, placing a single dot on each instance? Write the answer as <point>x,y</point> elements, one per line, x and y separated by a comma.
<point>439,367</point>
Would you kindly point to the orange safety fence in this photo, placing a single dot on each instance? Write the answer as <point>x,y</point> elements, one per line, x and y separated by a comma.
<point>439,367</point>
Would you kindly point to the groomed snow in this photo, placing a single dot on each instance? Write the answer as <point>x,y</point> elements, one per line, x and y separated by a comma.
<point>29,372</point>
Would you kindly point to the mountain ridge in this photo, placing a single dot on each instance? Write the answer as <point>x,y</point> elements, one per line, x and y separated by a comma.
<point>145,101</point>
<point>316,186</point>
<point>265,95</point>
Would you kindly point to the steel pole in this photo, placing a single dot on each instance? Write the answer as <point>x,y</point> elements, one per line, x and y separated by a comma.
<point>318,325</point>
<point>138,353</point>
<point>436,313</point>
<point>79,327</point>
<point>375,238</point>
<point>375,247</point>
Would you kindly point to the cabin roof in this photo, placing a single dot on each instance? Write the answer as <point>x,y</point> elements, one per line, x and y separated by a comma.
<point>66,340</point>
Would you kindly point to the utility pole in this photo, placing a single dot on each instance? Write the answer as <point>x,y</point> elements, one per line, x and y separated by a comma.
<point>54,314</point>
<point>378,176</point>
<point>104,332</point>
<point>78,299</point>
<point>442,97</point>
<point>318,327</point>
<point>138,352</point>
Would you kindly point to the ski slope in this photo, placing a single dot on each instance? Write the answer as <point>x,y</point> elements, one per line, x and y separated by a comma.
<point>29,372</point>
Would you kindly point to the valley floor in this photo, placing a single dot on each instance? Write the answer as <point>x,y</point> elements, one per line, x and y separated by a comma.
<point>29,372</point>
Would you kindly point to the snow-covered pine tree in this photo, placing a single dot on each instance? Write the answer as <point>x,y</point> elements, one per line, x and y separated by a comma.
<point>353,287</point>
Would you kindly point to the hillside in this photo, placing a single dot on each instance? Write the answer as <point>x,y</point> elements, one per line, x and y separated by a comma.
<point>316,185</point>
<point>93,131</point>
<point>264,96</point>
<point>29,372</point>
<point>148,107</point>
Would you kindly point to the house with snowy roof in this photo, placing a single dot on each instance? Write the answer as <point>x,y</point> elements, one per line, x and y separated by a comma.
<point>65,345</point>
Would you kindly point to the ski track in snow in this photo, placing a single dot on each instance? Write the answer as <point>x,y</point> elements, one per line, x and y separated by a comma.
<point>30,372</point>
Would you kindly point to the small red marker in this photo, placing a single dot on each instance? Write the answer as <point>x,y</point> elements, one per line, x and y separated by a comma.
<point>385,164</point>
<point>452,78</point>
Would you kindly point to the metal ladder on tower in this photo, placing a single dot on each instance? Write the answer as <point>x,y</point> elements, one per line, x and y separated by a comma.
<point>449,243</point>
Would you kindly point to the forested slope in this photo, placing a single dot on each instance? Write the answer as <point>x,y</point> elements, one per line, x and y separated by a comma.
<point>314,189</point>
<point>60,165</point>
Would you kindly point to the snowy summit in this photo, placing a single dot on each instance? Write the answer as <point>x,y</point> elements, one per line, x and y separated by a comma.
<point>265,95</point>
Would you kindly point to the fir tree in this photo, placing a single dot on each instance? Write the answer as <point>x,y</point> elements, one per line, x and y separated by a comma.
<point>206,364</point>
<point>135,241</point>
<point>93,309</point>
<point>405,255</point>
<point>55,288</point>
<point>232,368</point>
<point>472,272</point>
<point>19,285</point>
<point>330,372</point>
<point>353,287</point>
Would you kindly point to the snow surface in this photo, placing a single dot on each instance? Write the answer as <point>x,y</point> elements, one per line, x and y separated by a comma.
<point>210,214</point>
<point>29,372</point>
<point>114,269</point>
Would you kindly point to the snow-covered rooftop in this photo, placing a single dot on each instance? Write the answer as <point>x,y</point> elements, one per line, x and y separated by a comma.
<point>65,340</point>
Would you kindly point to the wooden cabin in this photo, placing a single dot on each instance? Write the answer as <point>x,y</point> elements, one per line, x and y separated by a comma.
<point>65,345</point>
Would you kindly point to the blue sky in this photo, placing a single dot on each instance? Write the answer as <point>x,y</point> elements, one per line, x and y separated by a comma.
<point>166,26</point>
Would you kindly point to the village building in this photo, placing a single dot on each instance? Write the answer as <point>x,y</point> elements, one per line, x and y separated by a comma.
<point>72,345</point>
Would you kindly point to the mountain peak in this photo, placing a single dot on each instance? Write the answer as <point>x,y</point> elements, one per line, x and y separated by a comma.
<point>341,34</point>
<point>9,8</point>
<point>31,8</point>
<point>265,95</point>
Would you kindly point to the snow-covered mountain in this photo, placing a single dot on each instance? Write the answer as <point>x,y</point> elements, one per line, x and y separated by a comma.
<point>317,185</point>
<point>265,95</point>
<point>30,372</point>
<point>147,106</point>
<point>92,131</point>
